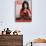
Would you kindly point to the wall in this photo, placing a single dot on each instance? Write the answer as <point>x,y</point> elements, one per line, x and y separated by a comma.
<point>36,28</point>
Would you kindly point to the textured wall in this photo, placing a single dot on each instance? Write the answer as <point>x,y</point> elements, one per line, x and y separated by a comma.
<point>11,40</point>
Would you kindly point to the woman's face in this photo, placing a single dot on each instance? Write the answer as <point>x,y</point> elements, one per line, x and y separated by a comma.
<point>25,5</point>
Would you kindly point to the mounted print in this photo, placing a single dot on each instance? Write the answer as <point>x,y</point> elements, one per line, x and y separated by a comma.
<point>23,11</point>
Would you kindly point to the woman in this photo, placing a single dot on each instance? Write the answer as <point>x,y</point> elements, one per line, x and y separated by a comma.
<point>25,11</point>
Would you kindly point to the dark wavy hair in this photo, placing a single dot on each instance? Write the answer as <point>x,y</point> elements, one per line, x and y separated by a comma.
<point>23,7</point>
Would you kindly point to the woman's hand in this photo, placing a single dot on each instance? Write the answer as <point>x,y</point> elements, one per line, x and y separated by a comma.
<point>25,10</point>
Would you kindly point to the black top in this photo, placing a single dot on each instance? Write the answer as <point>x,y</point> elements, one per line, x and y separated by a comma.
<point>8,30</point>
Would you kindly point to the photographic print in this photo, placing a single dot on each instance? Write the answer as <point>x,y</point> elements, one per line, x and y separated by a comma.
<point>23,11</point>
